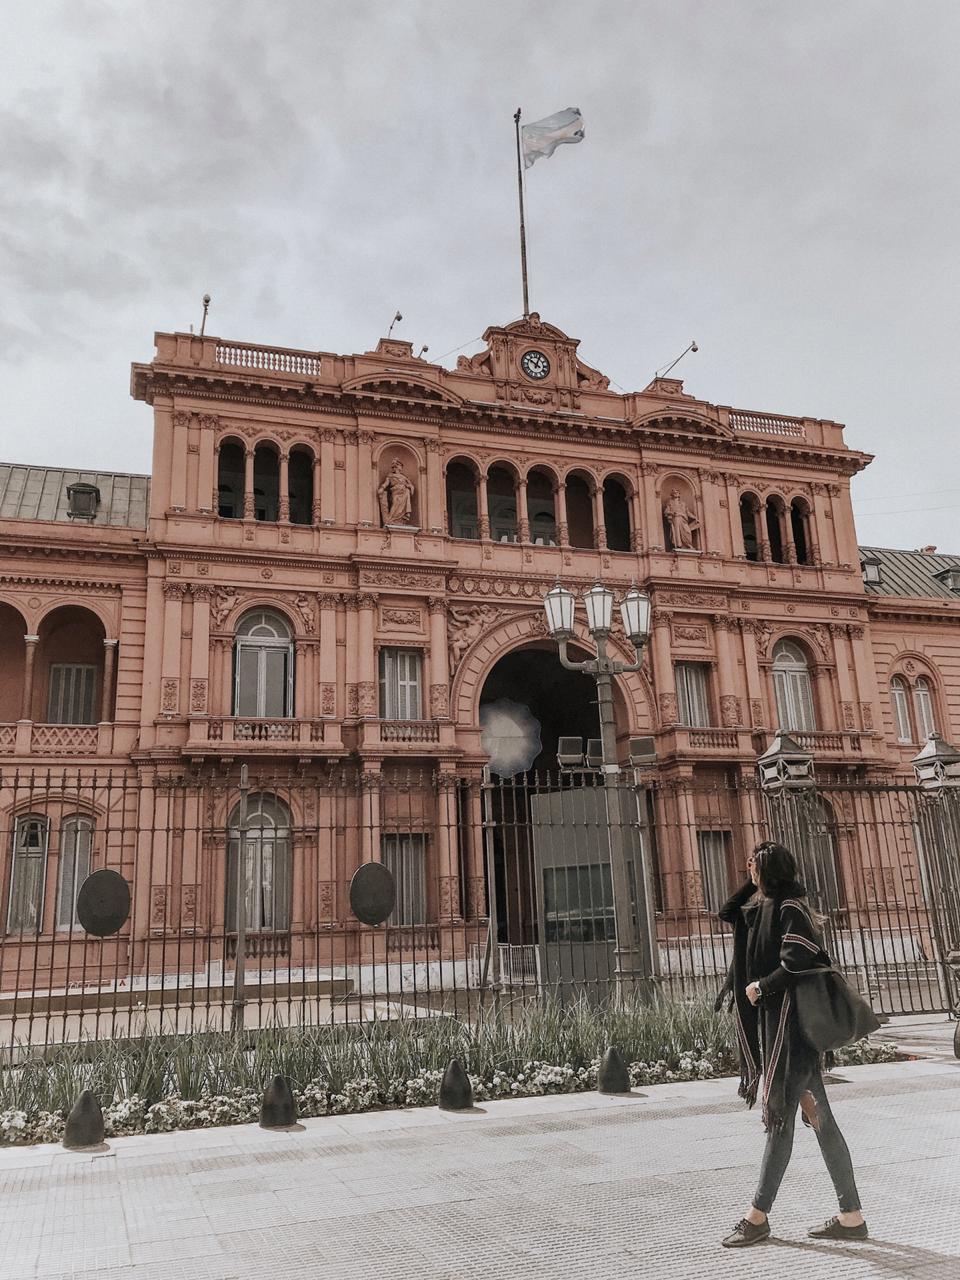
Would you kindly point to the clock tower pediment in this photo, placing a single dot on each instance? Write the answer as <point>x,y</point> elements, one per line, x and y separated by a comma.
<point>534,363</point>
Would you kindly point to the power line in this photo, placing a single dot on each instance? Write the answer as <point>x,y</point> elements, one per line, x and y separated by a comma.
<point>920,493</point>
<point>906,511</point>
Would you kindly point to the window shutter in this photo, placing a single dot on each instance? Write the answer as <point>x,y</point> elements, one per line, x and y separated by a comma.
<point>901,710</point>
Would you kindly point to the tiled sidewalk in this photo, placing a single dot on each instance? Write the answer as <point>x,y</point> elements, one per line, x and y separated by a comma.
<point>579,1186</point>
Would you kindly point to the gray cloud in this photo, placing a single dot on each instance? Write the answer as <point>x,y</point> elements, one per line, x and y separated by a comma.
<point>777,181</point>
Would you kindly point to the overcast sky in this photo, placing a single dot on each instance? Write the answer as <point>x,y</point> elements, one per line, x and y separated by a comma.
<point>778,181</point>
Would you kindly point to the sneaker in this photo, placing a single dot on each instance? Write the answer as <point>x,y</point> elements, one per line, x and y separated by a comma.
<point>833,1229</point>
<point>745,1233</point>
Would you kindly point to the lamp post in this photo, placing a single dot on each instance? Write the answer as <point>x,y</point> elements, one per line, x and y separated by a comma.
<point>633,945</point>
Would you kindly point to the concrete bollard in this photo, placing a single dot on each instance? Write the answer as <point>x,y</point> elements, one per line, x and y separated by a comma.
<point>456,1092</point>
<point>613,1076</point>
<point>84,1123</point>
<point>279,1110</point>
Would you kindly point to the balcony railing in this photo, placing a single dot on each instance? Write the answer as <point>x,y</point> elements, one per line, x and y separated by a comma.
<point>272,359</point>
<point>767,424</point>
<point>409,731</point>
<point>713,739</point>
<point>240,729</point>
<point>29,738</point>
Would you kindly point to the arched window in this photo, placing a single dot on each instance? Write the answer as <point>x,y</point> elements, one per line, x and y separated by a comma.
<point>800,528</point>
<point>541,509</point>
<point>76,841</point>
<point>263,666</point>
<point>300,486</point>
<point>775,530</point>
<point>28,871</point>
<point>923,705</point>
<point>792,688</point>
<point>266,483</point>
<point>819,861</point>
<point>579,512</point>
<point>265,838</point>
<point>230,477</point>
<point>900,699</point>
<point>462,515</point>
<point>502,505</point>
<point>749,508</point>
<point>616,515</point>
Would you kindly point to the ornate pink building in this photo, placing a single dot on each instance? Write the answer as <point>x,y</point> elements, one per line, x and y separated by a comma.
<point>341,557</point>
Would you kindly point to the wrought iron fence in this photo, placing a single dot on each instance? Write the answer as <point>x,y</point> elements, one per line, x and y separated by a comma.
<point>504,891</point>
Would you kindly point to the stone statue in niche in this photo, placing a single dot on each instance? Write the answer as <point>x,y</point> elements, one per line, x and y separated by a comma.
<point>396,496</point>
<point>681,524</point>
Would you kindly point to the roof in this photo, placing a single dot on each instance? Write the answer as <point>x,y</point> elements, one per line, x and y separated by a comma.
<point>910,573</point>
<point>40,493</point>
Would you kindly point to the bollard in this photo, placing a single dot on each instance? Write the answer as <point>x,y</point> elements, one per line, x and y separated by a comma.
<point>279,1110</point>
<point>456,1092</point>
<point>84,1123</point>
<point>613,1076</point>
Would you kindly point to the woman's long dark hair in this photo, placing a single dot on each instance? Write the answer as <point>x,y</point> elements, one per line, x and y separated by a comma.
<point>776,869</point>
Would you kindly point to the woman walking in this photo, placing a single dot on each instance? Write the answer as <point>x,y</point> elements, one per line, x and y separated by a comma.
<point>776,937</point>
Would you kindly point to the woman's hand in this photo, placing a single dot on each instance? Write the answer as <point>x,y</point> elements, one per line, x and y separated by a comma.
<point>753,992</point>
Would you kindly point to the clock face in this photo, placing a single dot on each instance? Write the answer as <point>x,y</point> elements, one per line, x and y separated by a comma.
<point>535,364</point>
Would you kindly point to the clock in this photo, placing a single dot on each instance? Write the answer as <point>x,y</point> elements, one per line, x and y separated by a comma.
<point>535,364</point>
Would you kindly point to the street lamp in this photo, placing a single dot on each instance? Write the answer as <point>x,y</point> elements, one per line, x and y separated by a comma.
<point>633,954</point>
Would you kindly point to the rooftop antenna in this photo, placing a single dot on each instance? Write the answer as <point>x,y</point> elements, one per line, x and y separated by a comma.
<point>397,317</point>
<point>662,373</point>
<point>206,308</point>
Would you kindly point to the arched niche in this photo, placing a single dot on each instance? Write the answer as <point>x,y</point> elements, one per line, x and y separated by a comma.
<point>398,484</point>
<point>13,628</point>
<point>680,513</point>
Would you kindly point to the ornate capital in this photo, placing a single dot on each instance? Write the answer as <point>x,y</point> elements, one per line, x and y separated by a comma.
<point>365,600</point>
<point>365,437</point>
<point>174,590</point>
<point>328,435</point>
<point>432,446</point>
<point>181,418</point>
<point>661,617</point>
<point>209,421</point>
<point>437,604</point>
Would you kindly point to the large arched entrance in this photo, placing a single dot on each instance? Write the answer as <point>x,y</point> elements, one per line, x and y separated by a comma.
<point>547,826</point>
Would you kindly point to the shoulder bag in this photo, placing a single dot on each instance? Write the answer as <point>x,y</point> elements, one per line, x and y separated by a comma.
<point>829,1012</point>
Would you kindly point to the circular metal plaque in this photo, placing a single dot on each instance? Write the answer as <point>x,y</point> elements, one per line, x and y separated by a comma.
<point>103,903</point>
<point>373,893</point>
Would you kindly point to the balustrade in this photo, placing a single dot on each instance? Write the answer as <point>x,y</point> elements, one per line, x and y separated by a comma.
<point>273,359</point>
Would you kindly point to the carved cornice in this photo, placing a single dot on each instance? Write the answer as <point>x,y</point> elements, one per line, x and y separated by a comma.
<point>86,585</point>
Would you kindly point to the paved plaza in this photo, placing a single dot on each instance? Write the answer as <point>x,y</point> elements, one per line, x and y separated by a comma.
<point>576,1186</point>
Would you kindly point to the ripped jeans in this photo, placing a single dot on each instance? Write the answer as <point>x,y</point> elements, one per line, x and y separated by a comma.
<point>836,1155</point>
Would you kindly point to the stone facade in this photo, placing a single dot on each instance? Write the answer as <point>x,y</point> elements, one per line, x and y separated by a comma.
<point>378,503</point>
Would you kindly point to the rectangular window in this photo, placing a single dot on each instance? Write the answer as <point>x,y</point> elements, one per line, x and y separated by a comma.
<point>923,701</point>
<point>713,847</point>
<point>901,710</point>
<point>693,703</point>
<point>400,684</point>
<point>72,694</point>
<point>31,838</point>
<point>76,839</point>
<point>578,903</point>
<point>794,697</point>
<point>406,857</point>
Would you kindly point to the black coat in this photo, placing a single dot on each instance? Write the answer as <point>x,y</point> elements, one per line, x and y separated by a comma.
<point>774,939</point>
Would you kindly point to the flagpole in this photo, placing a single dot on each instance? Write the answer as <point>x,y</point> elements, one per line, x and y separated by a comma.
<point>523,229</point>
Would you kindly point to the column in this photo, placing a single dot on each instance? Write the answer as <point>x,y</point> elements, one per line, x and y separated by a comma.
<point>748,634</point>
<point>560,513</point>
<point>369,814</point>
<point>439,662</point>
<point>844,681</point>
<point>523,515</point>
<point>432,509</point>
<point>301,679</point>
<point>327,490</point>
<point>366,488</point>
<point>29,660</point>
<point>284,511</point>
<point>786,533</point>
<point>483,510</point>
<point>328,656</point>
<point>636,521</point>
<point>200,649</point>
<point>248,507</point>
<point>173,593</point>
<point>648,473</point>
<point>763,535</point>
<point>448,857</point>
<point>178,462</point>
<point>663,677</point>
<point>367,702</point>
<point>207,464</point>
<point>106,692</point>
<point>474,851</point>
<point>731,714</point>
<point>351,655</point>
<point>733,511</point>
<point>351,495</point>
<point>864,666</point>
<point>317,509</point>
<point>599,521</point>
<point>215,483</point>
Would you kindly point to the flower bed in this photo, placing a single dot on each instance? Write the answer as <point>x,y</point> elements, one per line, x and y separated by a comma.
<point>155,1084</point>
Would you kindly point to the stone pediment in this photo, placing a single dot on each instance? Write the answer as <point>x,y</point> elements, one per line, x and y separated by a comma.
<point>681,420</point>
<point>404,384</point>
<point>534,363</point>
